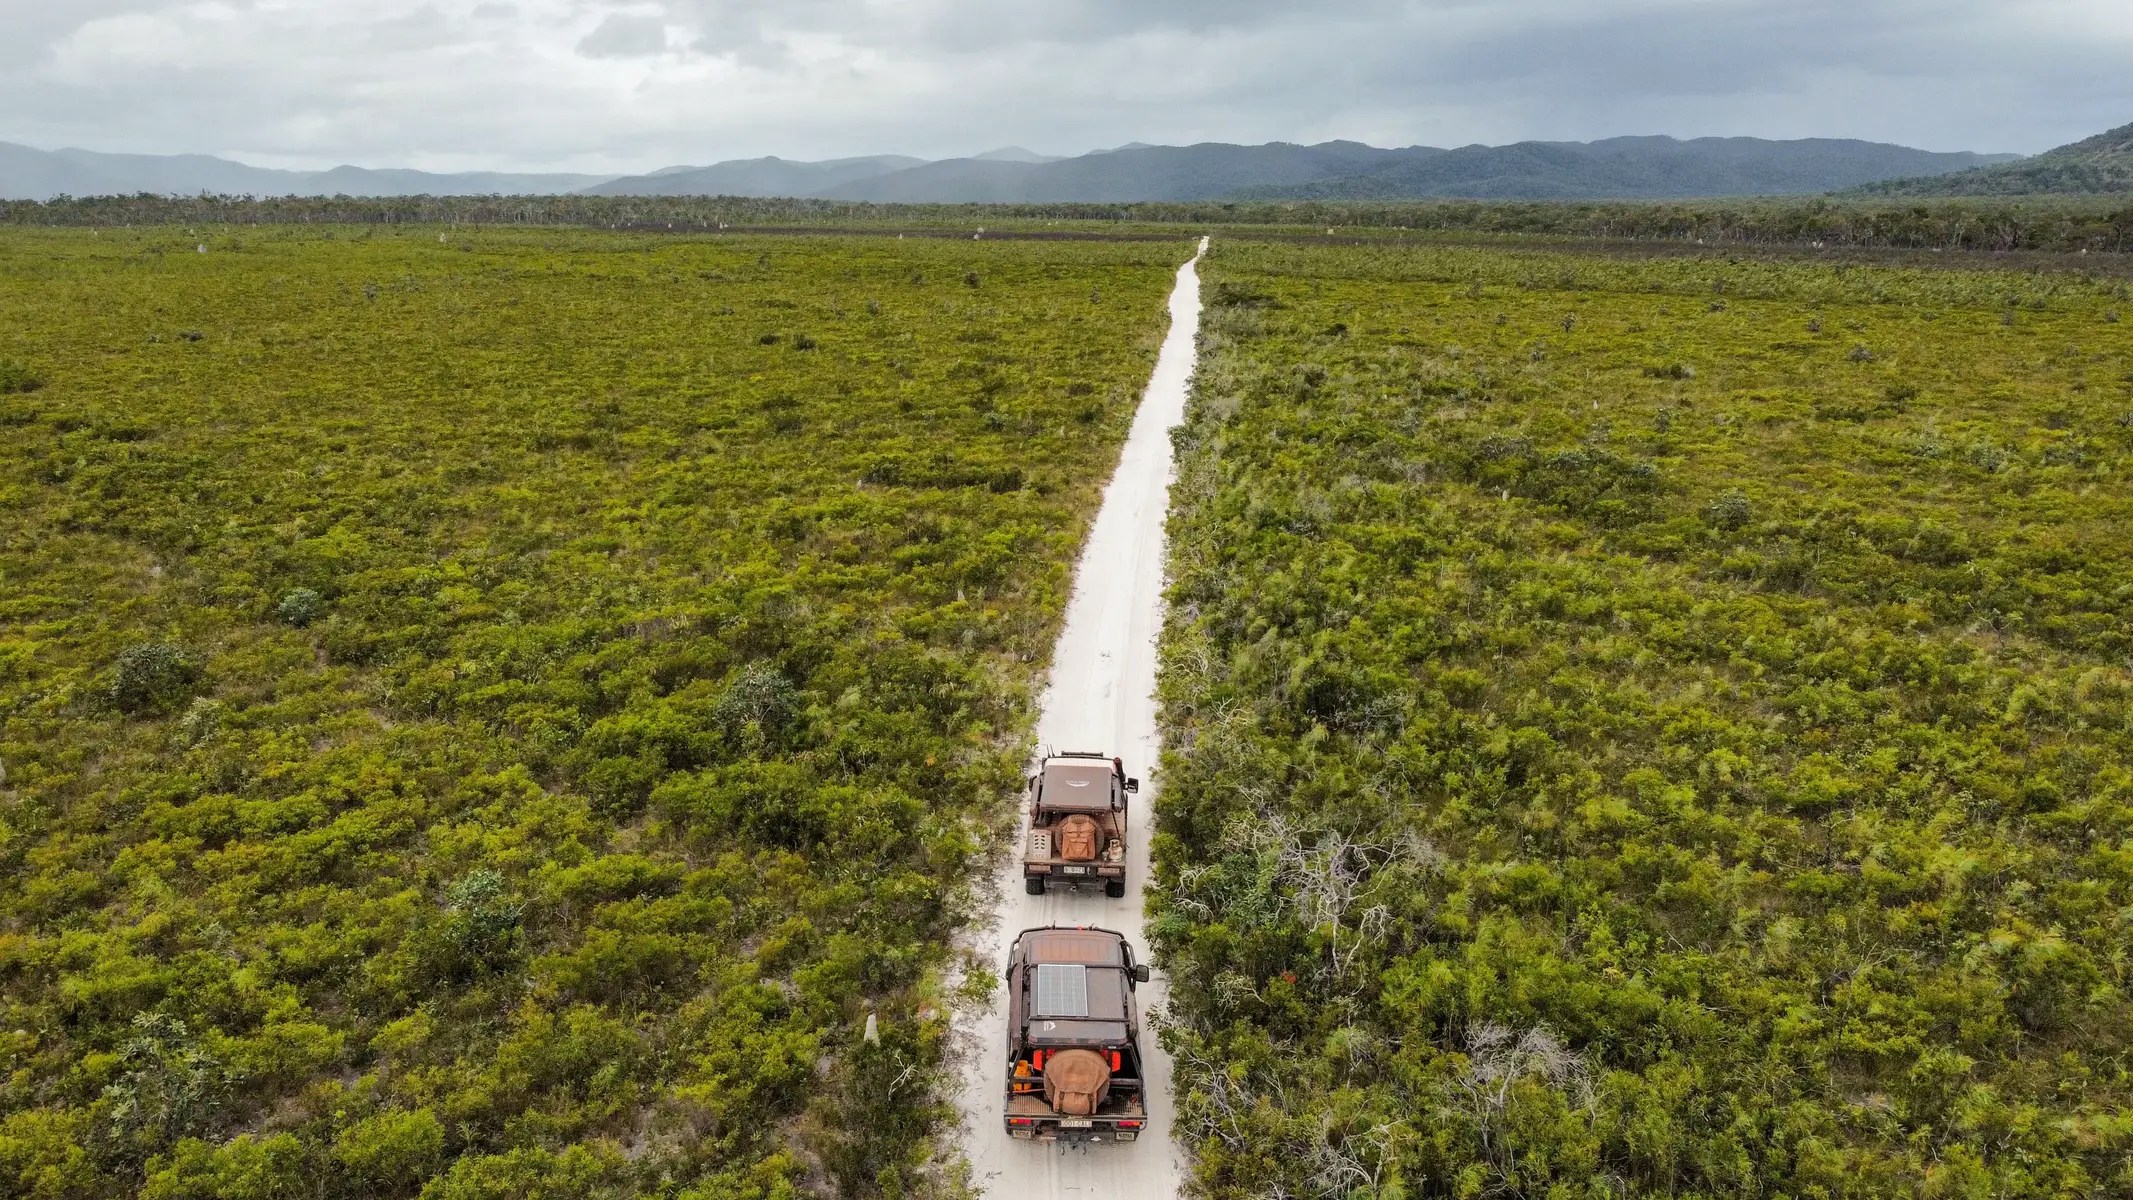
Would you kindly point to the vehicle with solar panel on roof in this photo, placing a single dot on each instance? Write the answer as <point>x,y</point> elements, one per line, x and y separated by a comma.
<point>1077,823</point>
<point>1074,1071</point>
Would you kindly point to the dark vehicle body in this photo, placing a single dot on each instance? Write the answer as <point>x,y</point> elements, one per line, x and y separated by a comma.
<point>1074,1070</point>
<point>1077,823</point>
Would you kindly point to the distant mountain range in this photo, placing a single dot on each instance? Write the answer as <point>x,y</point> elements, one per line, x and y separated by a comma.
<point>1630,168</point>
<point>2103,163</point>
<point>756,177</point>
<point>27,174</point>
<point>1627,167</point>
<point>1203,172</point>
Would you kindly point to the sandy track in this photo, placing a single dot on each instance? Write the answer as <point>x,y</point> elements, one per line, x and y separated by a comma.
<point>1101,697</point>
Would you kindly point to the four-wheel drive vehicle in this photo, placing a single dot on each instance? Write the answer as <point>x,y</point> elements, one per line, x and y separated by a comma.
<point>1077,823</point>
<point>1073,1038</point>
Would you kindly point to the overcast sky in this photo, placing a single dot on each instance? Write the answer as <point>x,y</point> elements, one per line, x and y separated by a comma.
<point>604,85</point>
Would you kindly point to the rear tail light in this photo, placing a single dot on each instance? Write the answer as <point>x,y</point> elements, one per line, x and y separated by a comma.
<point>1116,1062</point>
<point>1129,1124</point>
<point>1020,1121</point>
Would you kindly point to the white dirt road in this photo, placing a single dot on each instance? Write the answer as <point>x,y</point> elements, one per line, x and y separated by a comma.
<point>1101,697</point>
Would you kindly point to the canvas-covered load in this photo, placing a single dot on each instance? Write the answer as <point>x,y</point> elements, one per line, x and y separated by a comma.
<point>1079,836</point>
<point>1074,784</point>
<point>1076,1082</point>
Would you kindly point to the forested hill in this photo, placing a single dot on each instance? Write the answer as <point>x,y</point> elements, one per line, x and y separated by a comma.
<point>1616,168</point>
<point>755,177</point>
<point>1632,167</point>
<point>27,173</point>
<point>2100,164</point>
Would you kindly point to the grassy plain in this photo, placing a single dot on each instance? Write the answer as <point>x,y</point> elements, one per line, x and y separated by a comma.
<point>491,714</point>
<point>1651,727</point>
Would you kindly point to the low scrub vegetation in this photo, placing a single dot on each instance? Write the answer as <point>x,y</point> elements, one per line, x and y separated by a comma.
<point>495,715</point>
<point>1994,225</point>
<point>1650,728</point>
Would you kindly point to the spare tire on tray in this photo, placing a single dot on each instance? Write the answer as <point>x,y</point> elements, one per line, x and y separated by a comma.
<point>1077,1082</point>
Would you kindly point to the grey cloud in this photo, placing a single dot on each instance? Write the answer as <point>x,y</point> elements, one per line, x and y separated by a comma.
<point>1835,63</point>
<point>1713,49</point>
<point>27,29</point>
<point>616,84</point>
<point>421,29</point>
<point>621,36</point>
<point>969,26</point>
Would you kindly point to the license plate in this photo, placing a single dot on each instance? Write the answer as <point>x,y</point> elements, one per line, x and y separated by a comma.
<point>1074,870</point>
<point>1076,1123</point>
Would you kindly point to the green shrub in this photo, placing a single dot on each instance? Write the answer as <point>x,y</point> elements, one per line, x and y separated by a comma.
<point>760,697</point>
<point>299,607</point>
<point>484,921</point>
<point>167,1087</point>
<point>1730,511</point>
<point>16,379</point>
<point>391,1153</point>
<point>153,676</point>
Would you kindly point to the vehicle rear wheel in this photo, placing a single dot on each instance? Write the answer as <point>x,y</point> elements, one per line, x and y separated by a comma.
<point>1115,888</point>
<point>1034,887</point>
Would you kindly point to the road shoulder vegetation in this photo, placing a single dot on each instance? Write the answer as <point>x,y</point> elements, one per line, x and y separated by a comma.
<point>504,713</point>
<point>1650,728</point>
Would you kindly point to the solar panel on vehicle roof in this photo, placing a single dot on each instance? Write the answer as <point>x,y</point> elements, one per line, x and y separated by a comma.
<point>1062,990</point>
